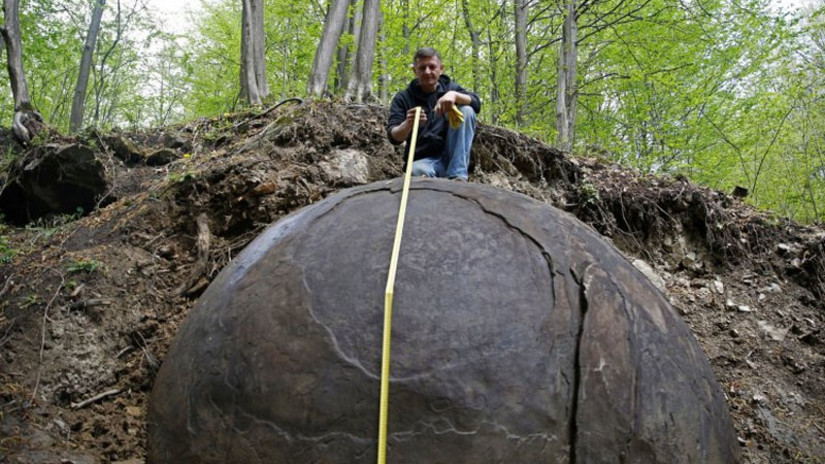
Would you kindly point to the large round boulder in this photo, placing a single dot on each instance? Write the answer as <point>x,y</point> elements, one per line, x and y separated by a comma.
<point>518,335</point>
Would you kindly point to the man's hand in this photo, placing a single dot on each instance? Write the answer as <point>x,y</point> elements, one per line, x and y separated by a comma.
<point>401,131</point>
<point>422,120</point>
<point>450,99</point>
<point>445,103</point>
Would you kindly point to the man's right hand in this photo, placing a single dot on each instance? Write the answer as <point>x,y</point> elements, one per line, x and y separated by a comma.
<point>411,117</point>
<point>401,131</point>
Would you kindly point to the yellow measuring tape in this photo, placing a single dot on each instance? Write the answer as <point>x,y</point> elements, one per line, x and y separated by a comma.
<point>385,355</point>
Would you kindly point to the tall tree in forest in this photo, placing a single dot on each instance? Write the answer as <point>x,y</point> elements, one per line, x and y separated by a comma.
<point>384,77</point>
<point>360,84</point>
<point>27,122</point>
<point>520,9</point>
<point>566,79</point>
<point>345,47</point>
<point>324,54</point>
<point>79,100</point>
<point>114,61</point>
<point>475,40</point>
<point>254,86</point>
<point>495,37</point>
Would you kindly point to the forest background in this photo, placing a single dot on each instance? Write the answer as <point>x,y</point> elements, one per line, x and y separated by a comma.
<point>726,93</point>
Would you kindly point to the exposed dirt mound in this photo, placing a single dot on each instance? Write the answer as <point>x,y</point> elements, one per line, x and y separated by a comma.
<point>90,305</point>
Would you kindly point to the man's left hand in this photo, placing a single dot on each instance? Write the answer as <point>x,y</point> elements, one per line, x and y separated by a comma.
<point>446,102</point>
<point>449,100</point>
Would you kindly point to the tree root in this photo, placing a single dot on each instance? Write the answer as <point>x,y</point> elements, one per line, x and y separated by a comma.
<point>203,241</point>
<point>25,125</point>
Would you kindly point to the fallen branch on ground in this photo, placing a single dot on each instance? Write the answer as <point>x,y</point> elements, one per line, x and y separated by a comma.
<point>204,239</point>
<point>95,399</point>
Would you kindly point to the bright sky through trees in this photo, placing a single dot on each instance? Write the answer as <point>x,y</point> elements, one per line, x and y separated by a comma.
<point>175,13</point>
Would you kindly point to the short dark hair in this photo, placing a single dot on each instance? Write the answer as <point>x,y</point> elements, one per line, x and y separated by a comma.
<point>425,52</point>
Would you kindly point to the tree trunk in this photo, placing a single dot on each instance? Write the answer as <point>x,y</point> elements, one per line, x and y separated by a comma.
<point>492,52</point>
<point>26,122</point>
<point>360,84</point>
<point>285,75</point>
<point>384,78</point>
<point>353,26</point>
<point>405,29</point>
<point>333,26</point>
<point>109,65</point>
<point>566,88</point>
<point>476,43</point>
<point>259,47</point>
<point>254,87</point>
<point>79,100</point>
<point>520,9</point>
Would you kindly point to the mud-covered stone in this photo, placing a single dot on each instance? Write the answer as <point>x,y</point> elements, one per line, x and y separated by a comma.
<point>346,167</point>
<point>56,179</point>
<point>124,148</point>
<point>519,336</point>
<point>161,157</point>
<point>175,142</point>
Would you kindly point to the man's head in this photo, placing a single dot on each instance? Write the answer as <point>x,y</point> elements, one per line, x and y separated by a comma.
<point>428,68</point>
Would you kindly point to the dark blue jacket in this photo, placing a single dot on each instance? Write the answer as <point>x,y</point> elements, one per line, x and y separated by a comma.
<point>432,136</point>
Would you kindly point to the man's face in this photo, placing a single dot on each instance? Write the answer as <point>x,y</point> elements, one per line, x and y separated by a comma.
<point>428,70</point>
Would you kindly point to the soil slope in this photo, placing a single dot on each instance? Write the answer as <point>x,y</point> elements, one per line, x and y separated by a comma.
<point>88,306</point>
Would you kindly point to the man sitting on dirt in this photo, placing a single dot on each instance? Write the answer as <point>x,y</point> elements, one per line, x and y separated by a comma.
<point>441,150</point>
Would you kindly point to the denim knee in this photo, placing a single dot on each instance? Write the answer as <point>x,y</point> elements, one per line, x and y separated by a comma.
<point>469,114</point>
<point>423,167</point>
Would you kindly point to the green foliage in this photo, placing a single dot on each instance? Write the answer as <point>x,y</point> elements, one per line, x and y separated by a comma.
<point>175,177</point>
<point>212,64</point>
<point>7,252</point>
<point>589,194</point>
<point>83,265</point>
<point>30,300</point>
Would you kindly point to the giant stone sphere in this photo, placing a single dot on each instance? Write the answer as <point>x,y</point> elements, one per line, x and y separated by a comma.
<point>518,336</point>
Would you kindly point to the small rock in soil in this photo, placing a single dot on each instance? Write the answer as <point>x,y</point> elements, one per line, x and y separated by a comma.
<point>772,332</point>
<point>161,157</point>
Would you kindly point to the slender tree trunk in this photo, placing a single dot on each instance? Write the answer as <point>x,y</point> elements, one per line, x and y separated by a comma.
<point>26,122</point>
<point>14,51</point>
<point>566,88</point>
<point>475,41</point>
<point>520,9</point>
<point>383,79</point>
<point>492,52</point>
<point>79,100</point>
<point>405,28</point>
<point>285,78</point>
<point>59,110</point>
<point>333,26</point>
<point>259,47</point>
<point>353,27</point>
<point>360,84</point>
<point>254,87</point>
<point>105,69</point>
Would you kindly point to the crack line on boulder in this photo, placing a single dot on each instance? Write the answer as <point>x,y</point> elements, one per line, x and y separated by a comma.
<point>335,345</point>
<point>635,362</point>
<point>300,436</point>
<point>583,305</point>
<point>430,426</point>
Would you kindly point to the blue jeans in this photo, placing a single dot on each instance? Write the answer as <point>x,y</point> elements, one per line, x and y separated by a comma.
<point>455,159</point>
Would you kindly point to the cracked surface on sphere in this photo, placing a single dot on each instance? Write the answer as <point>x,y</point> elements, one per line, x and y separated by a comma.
<point>519,336</point>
